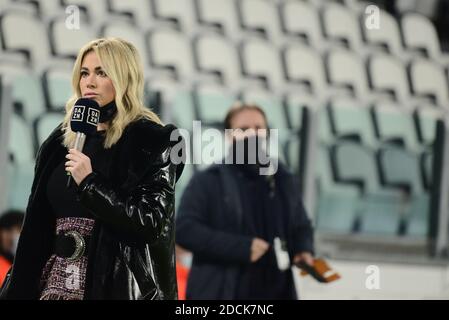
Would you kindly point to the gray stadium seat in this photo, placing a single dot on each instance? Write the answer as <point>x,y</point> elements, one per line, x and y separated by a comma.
<point>57,87</point>
<point>140,11</point>
<point>429,80</point>
<point>341,26</point>
<point>420,35</point>
<point>165,48</point>
<point>130,33</point>
<point>389,78</point>
<point>301,19</point>
<point>261,15</point>
<point>212,103</point>
<point>346,70</point>
<point>97,11</point>
<point>218,55</point>
<point>16,32</point>
<point>387,36</point>
<point>304,65</point>
<point>174,10</point>
<point>66,42</point>
<point>260,59</point>
<point>219,13</point>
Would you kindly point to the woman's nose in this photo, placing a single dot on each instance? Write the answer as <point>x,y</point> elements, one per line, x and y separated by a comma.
<point>91,81</point>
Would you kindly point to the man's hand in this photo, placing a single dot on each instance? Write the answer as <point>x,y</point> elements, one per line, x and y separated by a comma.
<point>258,249</point>
<point>78,165</point>
<point>305,257</point>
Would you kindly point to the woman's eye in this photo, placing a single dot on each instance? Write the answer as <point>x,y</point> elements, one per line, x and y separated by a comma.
<point>83,74</point>
<point>101,73</point>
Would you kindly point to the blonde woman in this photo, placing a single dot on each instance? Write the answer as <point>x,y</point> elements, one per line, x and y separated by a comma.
<point>111,234</point>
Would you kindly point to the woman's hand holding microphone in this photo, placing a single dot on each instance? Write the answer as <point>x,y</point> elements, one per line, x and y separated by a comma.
<point>78,165</point>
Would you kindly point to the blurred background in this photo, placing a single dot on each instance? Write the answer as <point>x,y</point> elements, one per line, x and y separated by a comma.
<point>359,94</point>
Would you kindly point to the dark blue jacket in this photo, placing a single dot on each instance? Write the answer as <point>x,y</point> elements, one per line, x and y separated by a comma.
<point>209,223</point>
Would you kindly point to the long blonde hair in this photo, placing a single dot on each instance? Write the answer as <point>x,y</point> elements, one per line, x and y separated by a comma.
<point>121,63</point>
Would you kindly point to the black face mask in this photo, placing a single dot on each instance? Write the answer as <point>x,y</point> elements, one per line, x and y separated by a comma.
<point>107,112</point>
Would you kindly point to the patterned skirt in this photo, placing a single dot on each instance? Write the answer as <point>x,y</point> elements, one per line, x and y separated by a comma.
<point>63,279</point>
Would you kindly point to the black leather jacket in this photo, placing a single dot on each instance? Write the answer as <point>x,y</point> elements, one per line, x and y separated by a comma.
<point>132,254</point>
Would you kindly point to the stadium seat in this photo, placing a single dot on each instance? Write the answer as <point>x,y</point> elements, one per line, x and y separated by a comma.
<point>301,19</point>
<point>165,46</point>
<point>216,54</point>
<point>212,103</point>
<point>139,10</point>
<point>261,60</point>
<point>351,119</point>
<point>395,125</point>
<point>219,14</point>
<point>260,16</point>
<point>387,37</point>
<point>337,204</point>
<point>388,78</point>
<point>181,12</point>
<point>341,26</point>
<point>401,169</point>
<point>16,35</point>
<point>130,33</point>
<point>428,80</point>
<point>28,96</point>
<point>57,87</point>
<point>45,125</point>
<point>176,101</point>
<point>380,207</point>
<point>346,71</point>
<point>304,65</point>
<point>419,35</point>
<point>66,43</point>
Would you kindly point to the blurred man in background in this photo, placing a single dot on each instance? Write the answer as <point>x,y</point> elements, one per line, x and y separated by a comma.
<point>10,227</point>
<point>245,229</point>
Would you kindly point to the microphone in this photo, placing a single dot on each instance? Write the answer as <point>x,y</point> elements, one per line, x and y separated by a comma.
<point>84,122</point>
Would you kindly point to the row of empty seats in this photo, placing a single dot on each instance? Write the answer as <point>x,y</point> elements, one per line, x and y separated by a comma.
<point>275,20</point>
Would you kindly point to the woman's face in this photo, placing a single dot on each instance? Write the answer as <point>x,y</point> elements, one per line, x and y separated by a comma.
<point>94,83</point>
